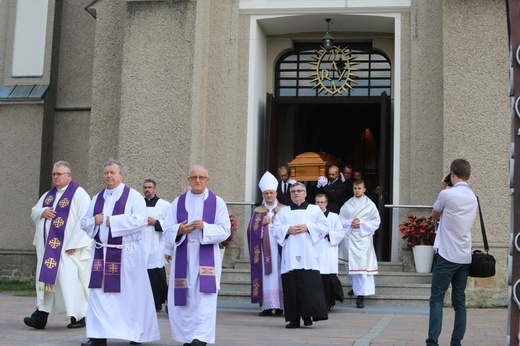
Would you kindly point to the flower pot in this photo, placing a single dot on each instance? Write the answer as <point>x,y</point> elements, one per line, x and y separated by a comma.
<point>222,253</point>
<point>423,258</point>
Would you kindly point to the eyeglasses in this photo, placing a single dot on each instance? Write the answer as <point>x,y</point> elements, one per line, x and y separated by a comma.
<point>197,178</point>
<point>58,174</point>
<point>297,191</point>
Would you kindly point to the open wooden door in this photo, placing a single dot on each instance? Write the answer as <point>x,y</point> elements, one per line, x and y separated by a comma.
<point>270,157</point>
<point>383,238</point>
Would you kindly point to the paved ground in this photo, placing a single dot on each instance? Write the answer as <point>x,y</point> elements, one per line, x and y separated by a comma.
<point>238,324</point>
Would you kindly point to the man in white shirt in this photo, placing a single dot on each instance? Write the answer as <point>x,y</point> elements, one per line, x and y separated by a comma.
<point>456,208</point>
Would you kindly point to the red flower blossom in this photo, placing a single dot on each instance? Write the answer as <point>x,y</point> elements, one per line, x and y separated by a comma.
<point>418,231</point>
<point>233,227</point>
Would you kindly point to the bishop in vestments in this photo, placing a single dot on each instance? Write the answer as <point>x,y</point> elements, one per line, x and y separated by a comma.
<point>266,284</point>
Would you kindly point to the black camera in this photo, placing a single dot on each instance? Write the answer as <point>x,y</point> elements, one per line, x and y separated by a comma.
<point>447,180</point>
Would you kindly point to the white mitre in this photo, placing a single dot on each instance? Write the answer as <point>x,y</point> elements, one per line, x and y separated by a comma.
<point>268,182</point>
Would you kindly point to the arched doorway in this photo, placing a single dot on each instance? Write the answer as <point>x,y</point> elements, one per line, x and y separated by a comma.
<point>352,123</point>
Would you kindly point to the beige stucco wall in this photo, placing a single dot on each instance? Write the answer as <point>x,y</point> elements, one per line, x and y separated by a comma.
<point>20,143</point>
<point>476,104</point>
<point>21,136</point>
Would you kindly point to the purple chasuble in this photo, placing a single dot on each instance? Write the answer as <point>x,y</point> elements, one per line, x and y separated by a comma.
<point>259,243</point>
<point>110,269</point>
<point>54,242</point>
<point>206,257</point>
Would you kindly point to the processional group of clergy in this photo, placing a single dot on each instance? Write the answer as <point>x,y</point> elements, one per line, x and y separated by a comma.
<point>95,255</point>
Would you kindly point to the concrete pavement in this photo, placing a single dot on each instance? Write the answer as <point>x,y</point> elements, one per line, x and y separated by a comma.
<point>238,324</point>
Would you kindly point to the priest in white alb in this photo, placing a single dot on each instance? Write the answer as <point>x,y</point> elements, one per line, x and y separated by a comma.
<point>360,219</point>
<point>297,228</point>
<point>62,251</point>
<point>266,283</point>
<point>195,224</point>
<point>121,302</point>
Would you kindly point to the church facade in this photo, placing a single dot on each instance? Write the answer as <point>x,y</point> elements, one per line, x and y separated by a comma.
<point>244,86</point>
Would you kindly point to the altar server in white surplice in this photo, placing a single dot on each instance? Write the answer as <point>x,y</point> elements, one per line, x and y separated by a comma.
<point>121,303</point>
<point>328,252</point>
<point>360,219</point>
<point>153,242</point>
<point>297,228</point>
<point>59,239</point>
<point>195,224</point>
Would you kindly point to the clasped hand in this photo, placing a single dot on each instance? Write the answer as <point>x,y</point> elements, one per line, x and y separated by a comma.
<point>187,228</point>
<point>267,220</point>
<point>98,220</point>
<point>356,223</point>
<point>48,213</point>
<point>297,229</point>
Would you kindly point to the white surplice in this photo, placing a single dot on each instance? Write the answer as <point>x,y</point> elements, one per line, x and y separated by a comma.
<point>153,242</point>
<point>129,314</point>
<point>328,248</point>
<point>361,256</point>
<point>196,320</point>
<point>298,250</point>
<point>71,288</point>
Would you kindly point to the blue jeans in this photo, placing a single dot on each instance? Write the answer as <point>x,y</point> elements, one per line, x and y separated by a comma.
<point>444,273</point>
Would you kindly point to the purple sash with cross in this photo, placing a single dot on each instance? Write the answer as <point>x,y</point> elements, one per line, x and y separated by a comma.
<point>54,242</point>
<point>110,269</point>
<point>208,282</point>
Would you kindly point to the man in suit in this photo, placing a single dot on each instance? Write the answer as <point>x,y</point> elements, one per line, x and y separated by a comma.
<point>333,188</point>
<point>284,186</point>
<point>347,181</point>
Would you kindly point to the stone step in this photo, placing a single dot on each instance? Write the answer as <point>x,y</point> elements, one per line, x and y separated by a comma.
<point>392,288</point>
<point>383,266</point>
<point>383,278</point>
<point>381,300</point>
<point>402,290</point>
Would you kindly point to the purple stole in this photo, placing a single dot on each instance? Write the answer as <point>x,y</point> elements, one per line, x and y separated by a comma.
<point>259,240</point>
<point>111,269</point>
<point>54,242</point>
<point>206,257</point>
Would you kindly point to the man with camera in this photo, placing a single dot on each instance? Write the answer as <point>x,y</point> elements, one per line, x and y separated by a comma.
<point>456,208</point>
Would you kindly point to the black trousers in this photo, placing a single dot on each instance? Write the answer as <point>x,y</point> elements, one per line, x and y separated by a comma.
<point>159,286</point>
<point>303,295</point>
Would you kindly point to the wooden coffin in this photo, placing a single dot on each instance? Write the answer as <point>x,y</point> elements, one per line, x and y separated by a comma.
<point>310,166</point>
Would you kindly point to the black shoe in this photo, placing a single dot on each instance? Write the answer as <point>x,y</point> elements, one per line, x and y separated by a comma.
<point>135,343</point>
<point>307,321</point>
<point>266,313</point>
<point>33,322</point>
<point>76,324</point>
<point>278,312</point>
<point>186,344</point>
<point>293,324</point>
<point>95,342</point>
<point>351,293</point>
<point>197,342</point>
<point>360,302</point>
